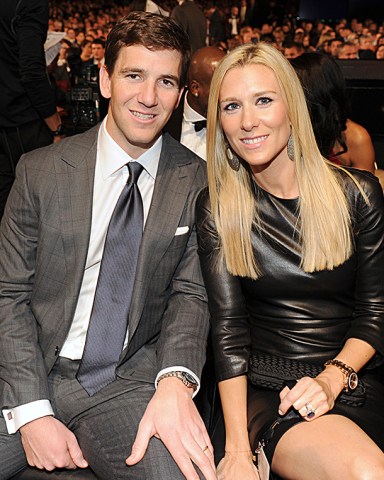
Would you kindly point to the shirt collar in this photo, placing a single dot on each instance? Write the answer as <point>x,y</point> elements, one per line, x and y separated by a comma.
<point>112,157</point>
<point>189,114</point>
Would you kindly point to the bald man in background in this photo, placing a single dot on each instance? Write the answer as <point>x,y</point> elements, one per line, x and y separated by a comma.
<point>188,122</point>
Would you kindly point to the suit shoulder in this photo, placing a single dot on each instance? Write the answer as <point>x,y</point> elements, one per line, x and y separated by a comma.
<point>76,146</point>
<point>181,152</point>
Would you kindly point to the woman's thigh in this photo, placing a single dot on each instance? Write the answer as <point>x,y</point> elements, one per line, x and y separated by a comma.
<point>331,447</point>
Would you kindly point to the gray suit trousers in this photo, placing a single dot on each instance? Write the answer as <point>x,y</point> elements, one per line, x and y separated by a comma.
<point>105,426</point>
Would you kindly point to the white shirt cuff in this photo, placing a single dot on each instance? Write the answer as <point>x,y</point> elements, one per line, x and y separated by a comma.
<point>179,369</point>
<point>23,414</point>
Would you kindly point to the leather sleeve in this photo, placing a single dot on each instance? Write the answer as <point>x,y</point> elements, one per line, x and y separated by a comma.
<point>368,225</point>
<point>229,316</point>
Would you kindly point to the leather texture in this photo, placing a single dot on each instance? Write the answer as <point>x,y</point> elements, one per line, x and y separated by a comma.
<point>287,311</point>
<point>294,314</point>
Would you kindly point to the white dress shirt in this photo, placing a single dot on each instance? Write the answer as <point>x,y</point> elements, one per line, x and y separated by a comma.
<point>195,141</point>
<point>111,174</point>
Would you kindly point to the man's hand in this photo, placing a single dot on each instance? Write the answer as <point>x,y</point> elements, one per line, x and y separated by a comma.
<point>172,417</point>
<point>48,444</point>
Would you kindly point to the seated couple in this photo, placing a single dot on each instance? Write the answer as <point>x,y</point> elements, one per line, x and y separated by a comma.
<point>104,245</point>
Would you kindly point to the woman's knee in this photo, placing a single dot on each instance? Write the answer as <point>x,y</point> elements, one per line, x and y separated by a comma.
<point>367,467</point>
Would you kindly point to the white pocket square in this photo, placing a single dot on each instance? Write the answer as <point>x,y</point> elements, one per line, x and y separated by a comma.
<point>181,230</point>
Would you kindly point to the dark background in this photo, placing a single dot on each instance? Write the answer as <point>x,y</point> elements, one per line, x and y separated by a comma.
<point>336,9</point>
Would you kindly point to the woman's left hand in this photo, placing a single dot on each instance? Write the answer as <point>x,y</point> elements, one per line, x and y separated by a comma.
<point>312,397</point>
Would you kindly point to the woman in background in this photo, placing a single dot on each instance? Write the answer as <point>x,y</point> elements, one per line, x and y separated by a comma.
<point>292,252</point>
<point>339,139</point>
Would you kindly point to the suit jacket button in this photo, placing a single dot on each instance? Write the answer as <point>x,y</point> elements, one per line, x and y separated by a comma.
<point>57,350</point>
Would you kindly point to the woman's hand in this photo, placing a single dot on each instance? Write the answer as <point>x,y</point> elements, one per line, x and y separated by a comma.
<point>237,466</point>
<point>313,397</point>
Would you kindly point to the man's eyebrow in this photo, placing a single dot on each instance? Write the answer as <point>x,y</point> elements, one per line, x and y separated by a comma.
<point>171,77</point>
<point>167,76</point>
<point>126,70</point>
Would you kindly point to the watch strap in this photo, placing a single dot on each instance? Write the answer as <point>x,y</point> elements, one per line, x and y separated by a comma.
<point>59,131</point>
<point>188,380</point>
<point>345,369</point>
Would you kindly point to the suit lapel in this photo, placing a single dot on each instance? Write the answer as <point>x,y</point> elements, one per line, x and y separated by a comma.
<point>75,171</point>
<point>175,175</point>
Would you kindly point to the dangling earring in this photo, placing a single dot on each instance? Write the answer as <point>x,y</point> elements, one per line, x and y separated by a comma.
<point>233,160</point>
<point>291,148</point>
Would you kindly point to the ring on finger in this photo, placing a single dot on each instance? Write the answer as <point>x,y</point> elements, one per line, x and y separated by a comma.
<point>311,412</point>
<point>205,448</point>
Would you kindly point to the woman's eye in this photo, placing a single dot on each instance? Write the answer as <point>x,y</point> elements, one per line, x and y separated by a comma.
<point>264,101</point>
<point>230,107</point>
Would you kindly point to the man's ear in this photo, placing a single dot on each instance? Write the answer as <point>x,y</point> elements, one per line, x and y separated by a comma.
<point>105,82</point>
<point>179,97</point>
<point>194,88</point>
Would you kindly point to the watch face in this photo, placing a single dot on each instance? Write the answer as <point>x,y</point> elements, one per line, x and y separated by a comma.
<point>189,378</point>
<point>352,381</point>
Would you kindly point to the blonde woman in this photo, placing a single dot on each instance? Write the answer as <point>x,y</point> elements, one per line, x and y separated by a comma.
<point>292,251</point>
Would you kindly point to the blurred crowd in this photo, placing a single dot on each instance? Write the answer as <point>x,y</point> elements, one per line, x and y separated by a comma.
<point>228,24</point>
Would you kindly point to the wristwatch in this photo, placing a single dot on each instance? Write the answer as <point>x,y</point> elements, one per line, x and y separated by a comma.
<point>188,379</point>
<point>350,376</point>
<point>59,131</point>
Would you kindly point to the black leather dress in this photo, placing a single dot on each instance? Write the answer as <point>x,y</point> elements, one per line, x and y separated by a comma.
<point>294,314</point>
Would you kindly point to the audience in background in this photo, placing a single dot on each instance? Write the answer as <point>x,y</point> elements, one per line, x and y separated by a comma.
<point>293,49</point>
<point>347,51</point>
<point>189,15</point>
<point>225,25</point>
<point>339,139</point>
<point>380,52</point>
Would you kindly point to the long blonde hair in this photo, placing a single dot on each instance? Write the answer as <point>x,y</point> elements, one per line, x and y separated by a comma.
<point>325,225</point>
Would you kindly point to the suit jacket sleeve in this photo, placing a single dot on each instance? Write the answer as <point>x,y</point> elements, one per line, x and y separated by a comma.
<point>22,372</point>
<point>185,322</point>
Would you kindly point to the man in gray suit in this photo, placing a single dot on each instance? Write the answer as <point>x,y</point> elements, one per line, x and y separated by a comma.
<point>53,240</point>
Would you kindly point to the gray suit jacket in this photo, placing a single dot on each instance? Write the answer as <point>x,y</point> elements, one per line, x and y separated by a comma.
<point>43,248</point>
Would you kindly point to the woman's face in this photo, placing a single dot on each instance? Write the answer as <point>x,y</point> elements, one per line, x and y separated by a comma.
<point>380,53</point>
<point>254,116</point>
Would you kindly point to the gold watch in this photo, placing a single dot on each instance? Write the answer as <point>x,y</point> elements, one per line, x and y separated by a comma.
<point>350,376</point>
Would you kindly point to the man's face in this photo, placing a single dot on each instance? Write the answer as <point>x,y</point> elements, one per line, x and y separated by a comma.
<point>347,52</point>
<point>334,48</point>
<point>291,52</point>
<point>97,51</point>
<point>366,43</point>
<point>143,91</point>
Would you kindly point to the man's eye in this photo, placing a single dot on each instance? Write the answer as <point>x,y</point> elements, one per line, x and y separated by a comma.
<point>168,83</point>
